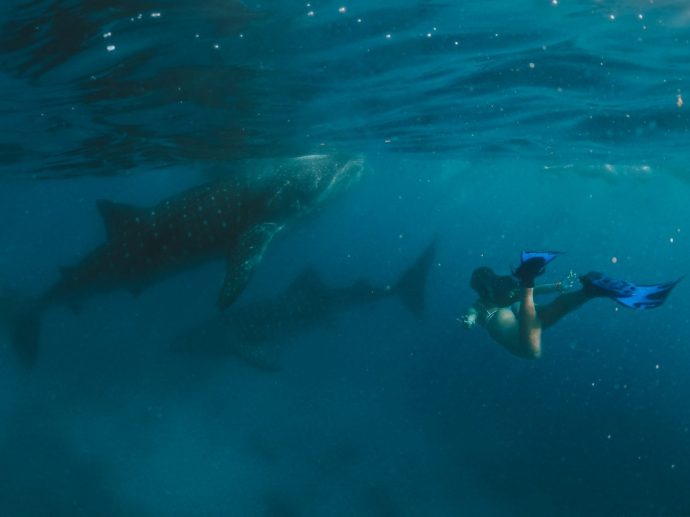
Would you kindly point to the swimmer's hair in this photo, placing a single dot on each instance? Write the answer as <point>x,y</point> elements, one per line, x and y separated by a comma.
<point>481,281</point>
<point>492,288</point>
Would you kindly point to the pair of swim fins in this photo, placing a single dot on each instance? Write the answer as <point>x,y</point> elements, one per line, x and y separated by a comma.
<point>595,284</point>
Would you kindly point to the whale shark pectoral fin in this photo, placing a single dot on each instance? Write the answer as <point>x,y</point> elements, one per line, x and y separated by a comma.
<point>118,216</point>
<point>243,259</point>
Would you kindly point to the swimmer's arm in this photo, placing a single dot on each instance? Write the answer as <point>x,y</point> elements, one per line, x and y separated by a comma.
<point>548,288</point>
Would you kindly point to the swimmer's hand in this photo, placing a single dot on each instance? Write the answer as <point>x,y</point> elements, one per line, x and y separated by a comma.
<point>468,320</point>
<point>567,282</point>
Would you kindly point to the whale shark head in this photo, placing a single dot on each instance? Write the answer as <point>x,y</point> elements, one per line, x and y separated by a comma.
<point>307,182</point>
<point>335,175</point>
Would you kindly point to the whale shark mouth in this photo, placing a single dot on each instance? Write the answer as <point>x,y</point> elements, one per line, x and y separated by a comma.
<point>316,178</point>
<point>347,174</point>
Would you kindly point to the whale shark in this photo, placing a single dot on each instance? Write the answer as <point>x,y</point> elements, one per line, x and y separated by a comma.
<point>233,218</point>
<point>255,331</point>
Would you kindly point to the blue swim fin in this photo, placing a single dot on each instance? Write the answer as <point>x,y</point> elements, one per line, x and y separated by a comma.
<point>532,265</point>
<point>545,256</point>
<point>641,297</point>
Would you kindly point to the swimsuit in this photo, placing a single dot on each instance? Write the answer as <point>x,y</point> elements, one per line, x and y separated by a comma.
<point>484,315</point>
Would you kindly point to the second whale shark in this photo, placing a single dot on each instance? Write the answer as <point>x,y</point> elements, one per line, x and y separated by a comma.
<point>254,331</point>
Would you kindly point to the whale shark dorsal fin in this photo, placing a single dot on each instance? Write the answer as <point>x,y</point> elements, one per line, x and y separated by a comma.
<point>118,216</point>
<point>243,259</point>
<point>308,280</point>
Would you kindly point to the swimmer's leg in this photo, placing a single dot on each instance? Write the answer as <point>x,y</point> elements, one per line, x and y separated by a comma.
<point>530,324</point>
<point>564,304</point>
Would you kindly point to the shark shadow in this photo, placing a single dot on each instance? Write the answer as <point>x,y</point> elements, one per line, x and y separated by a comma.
<point>255,331</point>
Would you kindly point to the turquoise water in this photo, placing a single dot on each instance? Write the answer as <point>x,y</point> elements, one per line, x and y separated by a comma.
<point>491,127</point>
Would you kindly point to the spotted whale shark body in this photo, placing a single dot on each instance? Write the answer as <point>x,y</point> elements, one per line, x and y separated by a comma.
<point>234,219</point>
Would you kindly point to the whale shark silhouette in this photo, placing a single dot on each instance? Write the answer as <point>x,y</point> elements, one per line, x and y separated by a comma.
<point>234,218</point>
<point>254,331</point>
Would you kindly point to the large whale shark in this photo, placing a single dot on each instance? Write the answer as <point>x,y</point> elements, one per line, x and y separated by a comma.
<point>256,330</point>
<point>233,219</point>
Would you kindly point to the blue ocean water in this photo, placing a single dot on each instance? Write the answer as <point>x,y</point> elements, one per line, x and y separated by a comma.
<point>490,127</point>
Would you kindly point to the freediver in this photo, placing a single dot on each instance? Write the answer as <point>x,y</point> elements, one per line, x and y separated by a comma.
<point>506,307</point>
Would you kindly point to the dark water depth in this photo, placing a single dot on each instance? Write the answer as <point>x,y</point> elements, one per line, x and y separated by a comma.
<point>486,127</point>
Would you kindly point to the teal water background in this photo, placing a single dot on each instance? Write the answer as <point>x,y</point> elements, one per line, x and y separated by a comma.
<point>492,126</point>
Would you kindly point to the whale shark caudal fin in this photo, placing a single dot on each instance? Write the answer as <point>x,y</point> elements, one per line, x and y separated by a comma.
<point>22,321</point>
<point>411,285</point>
<point>243,259</point>
<point>118,216</point>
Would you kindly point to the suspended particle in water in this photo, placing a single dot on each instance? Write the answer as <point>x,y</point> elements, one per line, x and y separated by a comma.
<point>679,100</point>
<point>614,260</point>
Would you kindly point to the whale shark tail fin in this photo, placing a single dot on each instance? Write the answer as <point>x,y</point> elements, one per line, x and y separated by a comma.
<point>21,319</point>
<point>411,285</point>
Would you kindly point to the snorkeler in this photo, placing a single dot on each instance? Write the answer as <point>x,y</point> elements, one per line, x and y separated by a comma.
<point>507,310</point>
